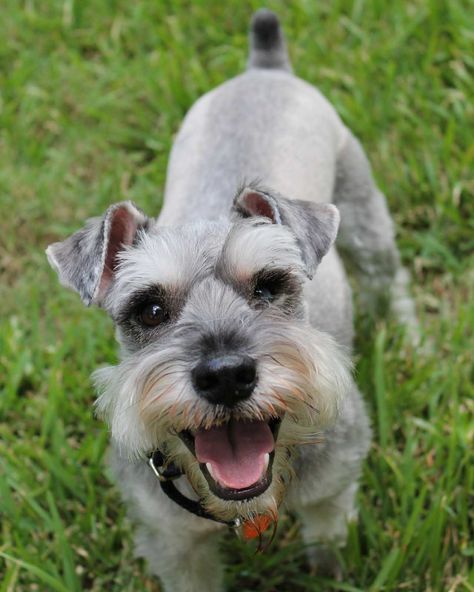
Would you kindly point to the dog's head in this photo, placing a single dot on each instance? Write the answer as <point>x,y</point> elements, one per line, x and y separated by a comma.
<point>220,368</point>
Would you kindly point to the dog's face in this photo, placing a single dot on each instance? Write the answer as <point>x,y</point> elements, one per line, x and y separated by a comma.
<point>220,369</point>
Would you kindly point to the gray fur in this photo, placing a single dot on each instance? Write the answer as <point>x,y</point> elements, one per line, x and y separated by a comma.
<point>80,259</point>
<point>267,42</point>
<point>199,263</point>
<point>314,225</point>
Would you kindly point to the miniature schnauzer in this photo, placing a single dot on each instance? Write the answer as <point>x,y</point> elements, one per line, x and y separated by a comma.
<point>234,397</point>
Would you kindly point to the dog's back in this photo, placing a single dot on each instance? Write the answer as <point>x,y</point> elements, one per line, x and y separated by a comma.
<point>266,125</point>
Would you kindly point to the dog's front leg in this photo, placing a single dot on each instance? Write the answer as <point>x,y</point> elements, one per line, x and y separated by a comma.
<point>184,560</point>
<point>324,530</point>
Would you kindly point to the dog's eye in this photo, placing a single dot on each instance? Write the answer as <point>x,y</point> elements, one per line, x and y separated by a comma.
<point>152,314</point>
<point>269,284</point>
<point>265,292</point>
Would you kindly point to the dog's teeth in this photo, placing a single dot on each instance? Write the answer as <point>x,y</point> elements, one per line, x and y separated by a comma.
<point>267,460</point>
<point>209,468</point>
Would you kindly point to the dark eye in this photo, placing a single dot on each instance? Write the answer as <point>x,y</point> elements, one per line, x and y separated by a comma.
<point>269,284</point>
<point>152,314</point>
<point>266,290</point>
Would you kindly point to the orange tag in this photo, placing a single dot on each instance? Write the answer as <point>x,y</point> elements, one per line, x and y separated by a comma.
<point>256,527</point>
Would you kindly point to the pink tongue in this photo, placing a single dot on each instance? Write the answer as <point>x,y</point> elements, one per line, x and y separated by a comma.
<point>236,451</point>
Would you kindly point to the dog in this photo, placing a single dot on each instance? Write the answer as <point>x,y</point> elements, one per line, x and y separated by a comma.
<point>233,397</point>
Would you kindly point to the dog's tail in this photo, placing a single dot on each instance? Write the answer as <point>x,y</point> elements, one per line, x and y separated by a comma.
<point>267,42</point>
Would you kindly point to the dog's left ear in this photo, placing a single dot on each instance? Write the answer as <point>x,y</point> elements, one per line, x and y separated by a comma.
<point>87,260</point>
<point>314,225</point>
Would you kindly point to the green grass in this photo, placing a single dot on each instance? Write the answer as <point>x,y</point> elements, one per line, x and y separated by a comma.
<point>91,94</point>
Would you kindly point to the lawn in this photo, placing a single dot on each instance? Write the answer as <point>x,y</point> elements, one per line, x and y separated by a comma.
<point>91,94</point>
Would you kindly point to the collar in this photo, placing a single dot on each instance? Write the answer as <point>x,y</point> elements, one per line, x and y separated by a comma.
<point>167,472</point>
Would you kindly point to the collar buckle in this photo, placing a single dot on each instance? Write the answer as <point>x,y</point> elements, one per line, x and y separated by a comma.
<point>235,524</point>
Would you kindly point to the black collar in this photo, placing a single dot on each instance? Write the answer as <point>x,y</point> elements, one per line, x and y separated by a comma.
<point>167,472</point>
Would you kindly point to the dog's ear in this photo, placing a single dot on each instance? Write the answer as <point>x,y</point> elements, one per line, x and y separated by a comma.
<point>86,261</point>
<point>314,225</point>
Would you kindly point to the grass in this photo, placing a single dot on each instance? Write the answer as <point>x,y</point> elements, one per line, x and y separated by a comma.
<point>91,93</point>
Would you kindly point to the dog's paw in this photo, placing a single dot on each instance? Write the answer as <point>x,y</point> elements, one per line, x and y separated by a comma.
<point>325,563</point>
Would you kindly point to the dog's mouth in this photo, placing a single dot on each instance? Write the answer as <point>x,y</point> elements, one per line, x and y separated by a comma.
<point>236,458</point>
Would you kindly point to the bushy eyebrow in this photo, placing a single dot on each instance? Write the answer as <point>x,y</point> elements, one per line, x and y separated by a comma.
<point>250,248</point>
<point>284,277</point>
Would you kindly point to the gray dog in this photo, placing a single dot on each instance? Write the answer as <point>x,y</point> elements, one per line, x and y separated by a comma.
<point>234,397</point>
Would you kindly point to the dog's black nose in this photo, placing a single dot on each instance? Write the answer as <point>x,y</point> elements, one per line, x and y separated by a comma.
<point>225,380</point>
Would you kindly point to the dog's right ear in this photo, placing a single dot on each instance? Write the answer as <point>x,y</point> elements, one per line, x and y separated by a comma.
<point>87,260</point>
